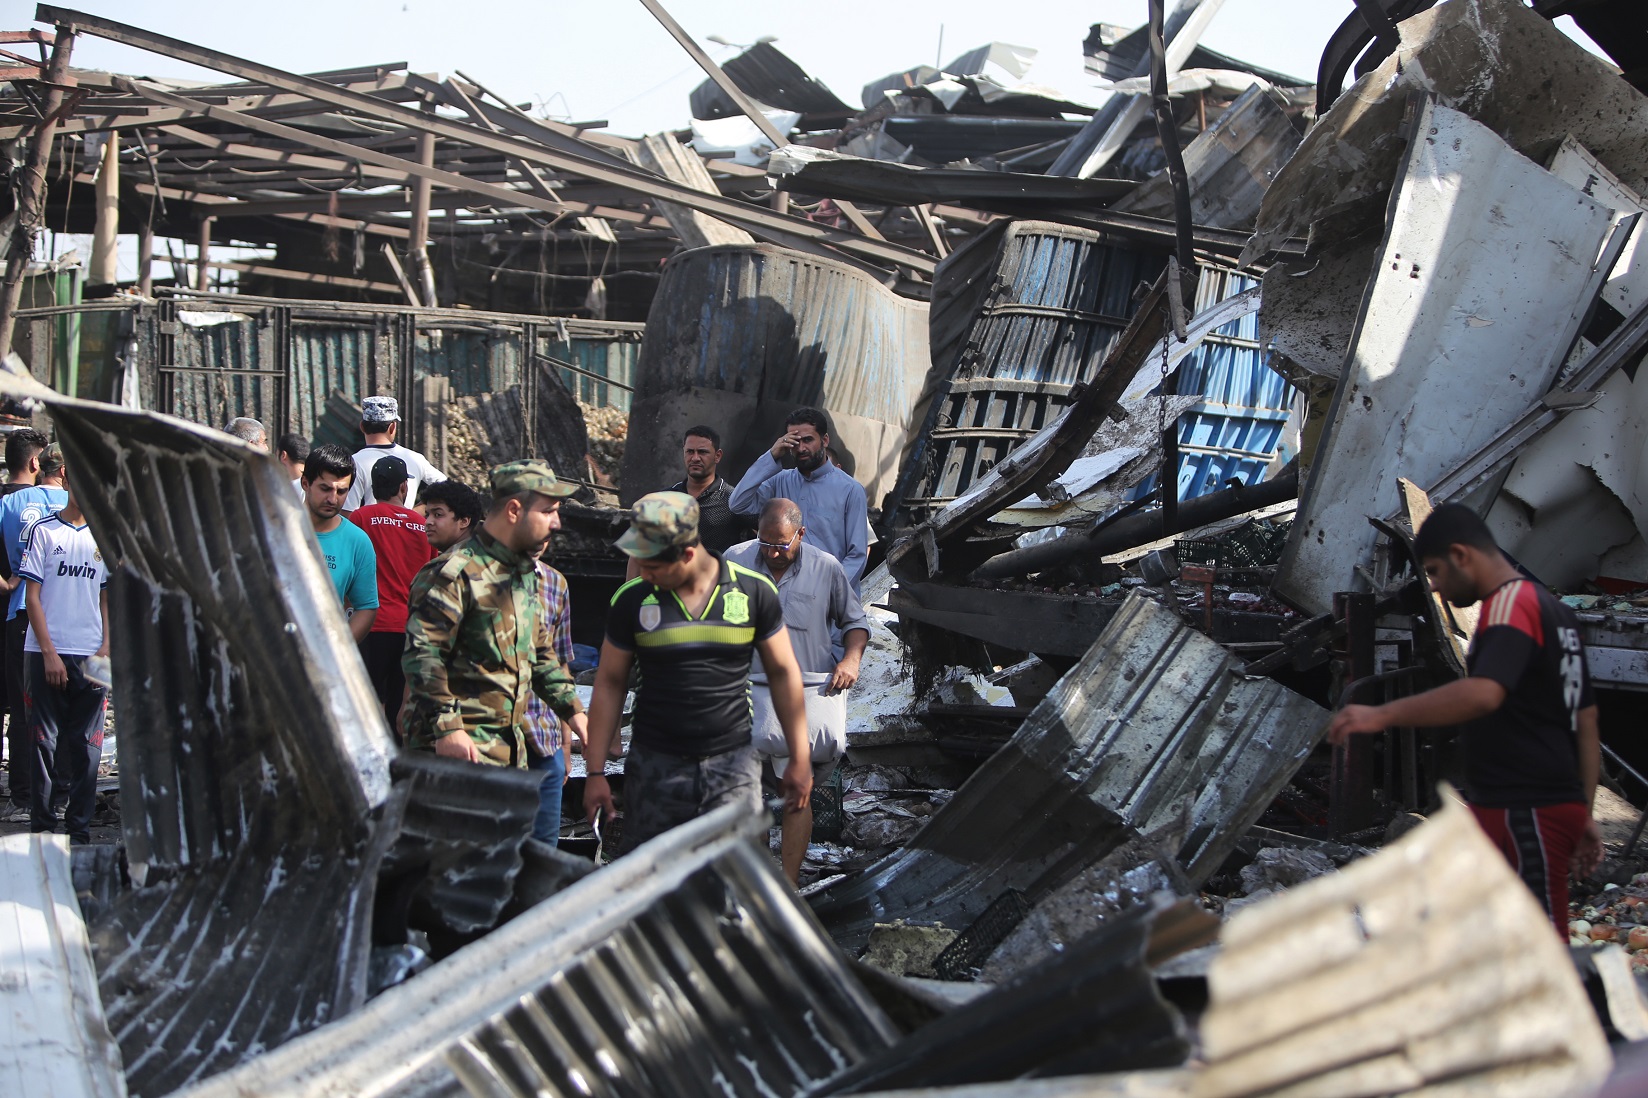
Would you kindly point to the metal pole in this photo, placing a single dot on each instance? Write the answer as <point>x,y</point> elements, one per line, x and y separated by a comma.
<point>1350,791</point>
<point>1167,129</point>
<point>31,184</point>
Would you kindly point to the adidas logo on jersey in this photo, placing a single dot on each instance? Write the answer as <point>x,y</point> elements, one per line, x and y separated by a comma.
<point>57,552</point>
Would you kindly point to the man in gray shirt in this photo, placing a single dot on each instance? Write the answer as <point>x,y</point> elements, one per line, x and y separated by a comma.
<point>798,468</point>
<point>818,602</point>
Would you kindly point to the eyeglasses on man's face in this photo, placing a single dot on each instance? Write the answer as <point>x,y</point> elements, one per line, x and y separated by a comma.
<point>779,546</point>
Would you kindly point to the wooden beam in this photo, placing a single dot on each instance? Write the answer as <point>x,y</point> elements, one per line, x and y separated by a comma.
<point>307,276</point>
<point>30,185</point>
<point>205,257</point>
<point>417,247</point>
<point>780,228</point>
<point>751,109</point>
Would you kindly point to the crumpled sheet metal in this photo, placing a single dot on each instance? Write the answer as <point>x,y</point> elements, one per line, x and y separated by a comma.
<point>213,563</point>
<point>685,968</point>
<point>1394,976</point>
<point>1485,273</point>
<point>257,807</point>
<point>461,837</point>
<point>1151,725</point>
<point>1094,1008</point>
<point>1497,61</point>
<point>56,1040</point>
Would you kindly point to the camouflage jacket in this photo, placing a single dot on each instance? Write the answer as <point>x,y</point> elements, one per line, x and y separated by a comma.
<point>478,645</point>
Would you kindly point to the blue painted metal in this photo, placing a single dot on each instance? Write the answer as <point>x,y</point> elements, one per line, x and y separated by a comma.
<point>1235,430</point>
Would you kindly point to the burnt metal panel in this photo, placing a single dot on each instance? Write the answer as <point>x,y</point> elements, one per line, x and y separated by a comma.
<point>767,75</point>
<point>1230,164</point>
<point>1095,1007</point>
<point>1153,722</point>
<point>686,968</point>
<point>222,368</point>
<point>460,840</point>
<point>741,334</point>
<point>1488,266</point>
<point>1021,315</point>
<point>334,355</point>
<point>254,761</point>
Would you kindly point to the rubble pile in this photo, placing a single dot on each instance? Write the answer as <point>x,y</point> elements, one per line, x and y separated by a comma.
<point>608,428</point>
<point>1613,916</point>
<point>1146,465</point>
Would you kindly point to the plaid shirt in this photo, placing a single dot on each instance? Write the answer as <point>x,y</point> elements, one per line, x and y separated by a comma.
<point>543,728</point>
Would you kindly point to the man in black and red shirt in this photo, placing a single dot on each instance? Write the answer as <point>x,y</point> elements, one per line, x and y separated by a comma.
<point>397,536</point>
<point>1531,744</point>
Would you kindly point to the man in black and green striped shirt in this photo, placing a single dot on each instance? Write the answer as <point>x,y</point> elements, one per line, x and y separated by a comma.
<point>691,621</point>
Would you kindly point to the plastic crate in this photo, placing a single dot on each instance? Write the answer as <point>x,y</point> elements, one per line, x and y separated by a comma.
<point>828,819</point>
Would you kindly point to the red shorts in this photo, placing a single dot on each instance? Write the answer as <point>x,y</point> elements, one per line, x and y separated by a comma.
<point>1539,844</point>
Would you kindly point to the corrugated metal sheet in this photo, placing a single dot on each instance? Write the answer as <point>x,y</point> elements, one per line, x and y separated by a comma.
<point>1483,277</point>
<point>57,1042</point>
<point>217,371</point>
<point>461,835</point>
<point>1234,432</point>
<point>740,335</point>
<point>767,75</point>
<point>1393,976</point>
<point>686,968</point>
<point>334,356</point>
<point>1153,721</point>
<point>1230,164</point>
<point>210,358</point>
<point>614,359</point>
<point>1021,314</point>
<point>251,818</point>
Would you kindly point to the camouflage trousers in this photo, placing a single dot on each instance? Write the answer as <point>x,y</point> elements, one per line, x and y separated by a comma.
<point>662,791</point>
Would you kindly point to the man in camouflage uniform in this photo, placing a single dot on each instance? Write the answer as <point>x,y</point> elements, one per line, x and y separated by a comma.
<point>478,643</point>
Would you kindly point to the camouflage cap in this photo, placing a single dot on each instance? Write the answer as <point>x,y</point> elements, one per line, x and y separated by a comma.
<point>51,460</point>
<point>380,409</point>
<point>659,522</point>
<point>529,475</point>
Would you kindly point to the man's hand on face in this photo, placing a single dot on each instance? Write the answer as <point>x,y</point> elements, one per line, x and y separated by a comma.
<point>783,451</point>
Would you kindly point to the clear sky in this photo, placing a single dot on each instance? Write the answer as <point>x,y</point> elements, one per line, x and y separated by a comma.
<point>608,59</point>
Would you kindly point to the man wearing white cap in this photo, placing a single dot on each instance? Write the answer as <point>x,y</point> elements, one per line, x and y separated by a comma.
<point>380,422</point>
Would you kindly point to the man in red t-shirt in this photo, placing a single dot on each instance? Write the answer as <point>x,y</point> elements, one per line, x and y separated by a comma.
<point>1532,747</point>
<point>397,534</point>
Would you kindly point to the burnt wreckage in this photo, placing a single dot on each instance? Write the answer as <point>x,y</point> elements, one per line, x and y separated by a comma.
<point>1149,400</point>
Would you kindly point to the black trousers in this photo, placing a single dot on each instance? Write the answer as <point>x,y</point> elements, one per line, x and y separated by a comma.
<point>21,766</point>
<point>68,741</point>
<point>381,652</point>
